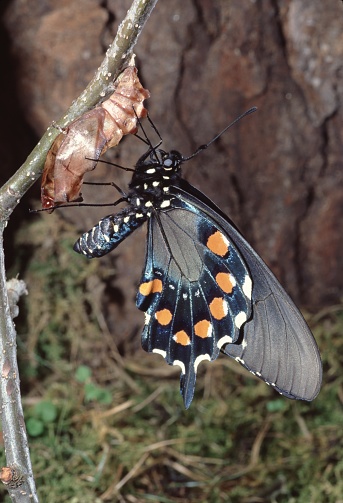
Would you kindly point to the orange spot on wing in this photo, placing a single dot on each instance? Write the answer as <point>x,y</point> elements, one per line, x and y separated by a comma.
<point>182,338</point>
<point>164,316</point>
<point>223,279</point>
<point>218,308</point>
<point>218,244</point>
<point>154,286</point>
<point>203,329</point>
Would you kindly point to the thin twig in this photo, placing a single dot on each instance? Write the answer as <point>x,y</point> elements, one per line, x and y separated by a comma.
<point>117,57</point>
<point>18,475</point>
<point>12,417</point>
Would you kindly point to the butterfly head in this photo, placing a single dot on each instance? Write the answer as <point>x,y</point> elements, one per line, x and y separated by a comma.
<point>171,161</point>
<point>159,160</point>
<point>156,165</point>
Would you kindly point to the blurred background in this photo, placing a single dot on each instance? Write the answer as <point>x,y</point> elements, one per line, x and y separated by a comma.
<point>108,415</point>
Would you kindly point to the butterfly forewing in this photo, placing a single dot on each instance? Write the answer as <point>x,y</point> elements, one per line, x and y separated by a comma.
<point>275,343</point>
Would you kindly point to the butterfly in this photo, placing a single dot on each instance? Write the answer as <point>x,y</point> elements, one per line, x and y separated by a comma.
<point>204,290</point>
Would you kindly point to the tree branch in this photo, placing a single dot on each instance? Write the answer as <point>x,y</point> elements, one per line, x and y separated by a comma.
<point>117,57</point>
<point>18,475</point>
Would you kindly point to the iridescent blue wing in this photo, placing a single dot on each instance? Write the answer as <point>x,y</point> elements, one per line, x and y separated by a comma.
<point>195,290</point>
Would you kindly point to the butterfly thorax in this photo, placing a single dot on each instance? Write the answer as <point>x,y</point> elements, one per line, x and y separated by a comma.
<point>154,173</point>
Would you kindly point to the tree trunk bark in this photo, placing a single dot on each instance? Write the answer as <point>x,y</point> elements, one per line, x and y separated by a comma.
<point>277,174</point>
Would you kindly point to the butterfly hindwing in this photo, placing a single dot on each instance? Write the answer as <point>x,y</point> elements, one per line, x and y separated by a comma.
<point>195,290</point>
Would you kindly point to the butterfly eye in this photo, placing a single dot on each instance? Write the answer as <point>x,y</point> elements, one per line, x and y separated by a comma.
<point>168,163</point>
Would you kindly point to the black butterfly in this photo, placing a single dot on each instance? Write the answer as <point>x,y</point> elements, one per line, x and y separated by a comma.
<point>203,288</point>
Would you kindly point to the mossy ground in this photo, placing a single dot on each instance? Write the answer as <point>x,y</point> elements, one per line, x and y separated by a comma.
<point>109,426</point>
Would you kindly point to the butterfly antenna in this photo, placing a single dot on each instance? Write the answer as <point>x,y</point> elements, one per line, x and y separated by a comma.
<point>204,147</point>
<point>155,129</point>
<point>146,138</point>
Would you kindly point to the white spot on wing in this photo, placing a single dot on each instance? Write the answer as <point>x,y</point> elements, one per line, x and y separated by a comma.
<point>160,352</point>
<point>247,287</point>
<point>165,203</point>
<point>224,340</point>
<point>225,240</point>
<point>240,319</point>
<point>150,171</point>
<point>180,364</point>
<point>244,344</point>
<point>200,359</point>
<point>147,318</point>
<point>233,280</point>
<point>239,360</point>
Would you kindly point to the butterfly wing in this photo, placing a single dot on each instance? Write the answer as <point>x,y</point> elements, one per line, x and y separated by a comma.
<point>195,290</point>
<point>275,343</point>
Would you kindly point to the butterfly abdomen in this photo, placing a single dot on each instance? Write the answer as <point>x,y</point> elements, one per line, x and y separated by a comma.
<point>148,191</point>
<point>109,232</point>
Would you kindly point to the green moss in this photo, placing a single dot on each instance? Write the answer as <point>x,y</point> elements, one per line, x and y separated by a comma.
<point>238,442</point>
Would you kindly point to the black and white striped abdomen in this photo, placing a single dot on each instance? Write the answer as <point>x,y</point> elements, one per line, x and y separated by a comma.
<point>109,232</point>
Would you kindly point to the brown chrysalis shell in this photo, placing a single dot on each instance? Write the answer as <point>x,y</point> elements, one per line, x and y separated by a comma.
<point>89,136</point>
